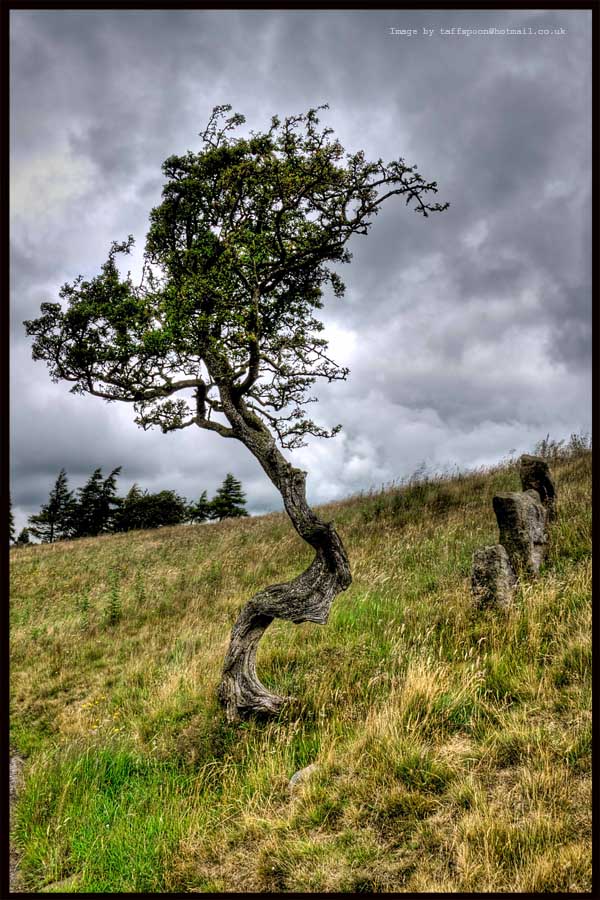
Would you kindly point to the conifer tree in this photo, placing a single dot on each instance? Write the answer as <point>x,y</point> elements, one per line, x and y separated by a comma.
<point>23,538</point>
<point>201,510</point>
<point>128,517</point>
<point>96,504</point>
<point>230,500</point>
<point>54,522</point>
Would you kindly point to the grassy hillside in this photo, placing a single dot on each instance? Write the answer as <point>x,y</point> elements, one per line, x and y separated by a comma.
<point>453,747</point>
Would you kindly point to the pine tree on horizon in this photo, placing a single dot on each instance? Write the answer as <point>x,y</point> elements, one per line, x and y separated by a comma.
<point>128,517</point>
<point>96,504</point>
<point>201,510</point>
<point>54,522</point>
<point>230,500</point>
<point>23,538</point>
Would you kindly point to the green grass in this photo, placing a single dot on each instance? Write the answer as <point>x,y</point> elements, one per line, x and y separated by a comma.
<point>452,746</point>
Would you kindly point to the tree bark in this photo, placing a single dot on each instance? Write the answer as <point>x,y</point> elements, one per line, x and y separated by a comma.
<point>307,598</point>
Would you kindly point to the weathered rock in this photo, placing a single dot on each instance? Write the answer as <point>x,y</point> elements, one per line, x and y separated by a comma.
<point>535,475</point>
<point>521,520</point>
<point>301,776</point>
<point>493,581</point>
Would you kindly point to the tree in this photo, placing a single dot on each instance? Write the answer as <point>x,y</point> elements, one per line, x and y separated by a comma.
<point>145,510</point>
<point>54,522</point>
<point>23,538</point>
<point>165,508</point>
<point>128,517</point>
<point>96,504</point>
<point>238,255</point>
<point>229,501</point>
<point>201,510</point>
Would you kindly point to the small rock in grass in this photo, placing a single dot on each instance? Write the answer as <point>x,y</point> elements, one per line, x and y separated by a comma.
<point>301,776</point>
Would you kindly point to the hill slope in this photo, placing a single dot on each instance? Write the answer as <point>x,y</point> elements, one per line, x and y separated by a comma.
<point>452,747</point>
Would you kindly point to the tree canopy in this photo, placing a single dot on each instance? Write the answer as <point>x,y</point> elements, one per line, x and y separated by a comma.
<point>96,504</point>
<point>98,510</point>
<point>237,257</point>
<point>141,509</point>
<point>23,538</point>
<point>56,519</point>
<point>200,510</point>
<point>230,500</point>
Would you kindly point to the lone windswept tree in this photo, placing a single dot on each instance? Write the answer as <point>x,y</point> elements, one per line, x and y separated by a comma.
<point>222,333</point>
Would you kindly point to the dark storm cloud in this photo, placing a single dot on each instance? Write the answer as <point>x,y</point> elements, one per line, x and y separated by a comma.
<point>134,88</point>
<point>468,333</point>
<point>494,125</point>
<point>500,139</point>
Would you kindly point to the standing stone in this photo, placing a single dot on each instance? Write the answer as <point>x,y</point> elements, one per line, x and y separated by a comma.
<point>493,581</point>
<point>535,475</point>
<point>522,524</point>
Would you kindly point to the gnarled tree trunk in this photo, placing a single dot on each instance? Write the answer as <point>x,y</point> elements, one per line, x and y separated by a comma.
<point>307,598</point>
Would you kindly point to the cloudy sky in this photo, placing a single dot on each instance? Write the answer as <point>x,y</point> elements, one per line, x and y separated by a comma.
<point>468,334</point>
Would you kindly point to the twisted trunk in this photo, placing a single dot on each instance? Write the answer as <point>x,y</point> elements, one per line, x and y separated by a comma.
<point>307,598</point>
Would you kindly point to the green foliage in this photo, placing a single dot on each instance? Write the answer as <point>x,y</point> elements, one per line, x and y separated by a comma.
<point>145,510</point>
<point>128,515</point>
<point>139,589</point>
<point>248,236</point>
<point>229,501</point>
<point>57,519</point>
<point>96,504</point>
<point>98,509</point>
<point>201,510</point>
<point>114,608</point>
<point>23,538</point>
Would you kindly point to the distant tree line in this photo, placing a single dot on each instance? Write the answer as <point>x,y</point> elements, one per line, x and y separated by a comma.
<point>96,509</point>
